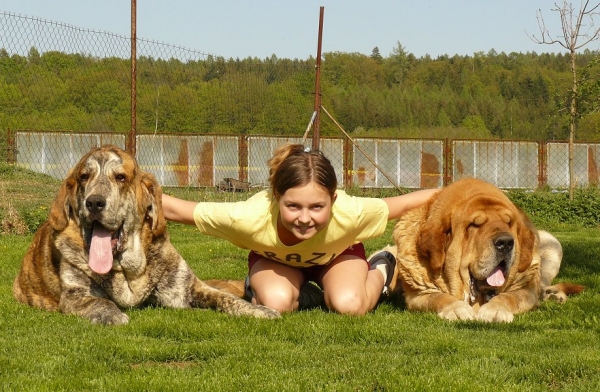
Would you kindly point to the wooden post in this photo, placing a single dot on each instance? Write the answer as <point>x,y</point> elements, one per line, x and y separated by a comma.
<point>317,121</point>
<point>131,136</point>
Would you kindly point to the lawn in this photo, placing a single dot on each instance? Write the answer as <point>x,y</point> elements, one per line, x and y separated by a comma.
<point>555,347</point>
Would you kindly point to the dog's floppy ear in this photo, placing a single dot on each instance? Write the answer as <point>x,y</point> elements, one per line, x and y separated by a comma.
<point>61,208</point>
<point>432,239</point>
<point>527,236</point>
<point>152,196</point>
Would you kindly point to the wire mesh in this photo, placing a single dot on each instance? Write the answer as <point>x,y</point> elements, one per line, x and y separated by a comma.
<point>72,87</point>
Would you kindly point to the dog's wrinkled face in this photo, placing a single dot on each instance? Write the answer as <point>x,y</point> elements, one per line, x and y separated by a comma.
<point>104,190</point>
<point>108,198</point>
<point>103,184</point>
<point>490,243</point>
<point>482,237</point>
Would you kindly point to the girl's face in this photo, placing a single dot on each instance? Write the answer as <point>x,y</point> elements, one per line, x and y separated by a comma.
<point>303,211</point>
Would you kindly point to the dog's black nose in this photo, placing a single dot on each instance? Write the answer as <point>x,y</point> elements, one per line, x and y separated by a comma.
<point>95,203</point>
<point>504,243</point>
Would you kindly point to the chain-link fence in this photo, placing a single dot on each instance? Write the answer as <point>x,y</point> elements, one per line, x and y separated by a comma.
<point>207,160</point>
<point>59,77</point>
<point>75,84</point>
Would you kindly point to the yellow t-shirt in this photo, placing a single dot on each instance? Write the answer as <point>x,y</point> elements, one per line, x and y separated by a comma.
<point>252,224</point>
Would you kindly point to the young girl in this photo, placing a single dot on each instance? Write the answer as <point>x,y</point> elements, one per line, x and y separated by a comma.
<point>304,229</point>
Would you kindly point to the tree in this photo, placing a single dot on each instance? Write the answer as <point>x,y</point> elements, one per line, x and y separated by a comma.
<point>376,55</point>
<point>571,40</point>
<point>398,64</point>
<point>589,100</point>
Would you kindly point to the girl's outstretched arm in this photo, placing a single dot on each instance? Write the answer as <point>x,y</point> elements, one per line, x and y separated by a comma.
<point>398,205</point>
<point>178,210</point>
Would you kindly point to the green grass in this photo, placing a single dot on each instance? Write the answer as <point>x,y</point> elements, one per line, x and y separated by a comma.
<point>556,347</point>
<point>553,348</point>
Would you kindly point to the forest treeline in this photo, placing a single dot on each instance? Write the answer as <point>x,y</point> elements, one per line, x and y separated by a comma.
<point>486,95</point>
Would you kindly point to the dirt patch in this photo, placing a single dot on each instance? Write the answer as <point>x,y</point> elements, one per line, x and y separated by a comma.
<point>12,222</point>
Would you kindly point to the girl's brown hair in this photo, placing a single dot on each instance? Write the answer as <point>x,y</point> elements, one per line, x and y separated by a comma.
<point>292,166</point>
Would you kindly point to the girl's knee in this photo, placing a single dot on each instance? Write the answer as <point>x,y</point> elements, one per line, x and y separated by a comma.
<point>279,300</point>
<point>348,302</point>
<point>275,285</point>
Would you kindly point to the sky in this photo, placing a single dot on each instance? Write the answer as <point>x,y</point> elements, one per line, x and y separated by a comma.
<point>289,28</point>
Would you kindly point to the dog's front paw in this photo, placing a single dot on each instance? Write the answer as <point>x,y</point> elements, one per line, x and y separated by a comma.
<point>492,313</point>
<point>266,312</point>
<point>113,317</point>
<point>240,307</point>
<point>457,310</point>
<point>97,310</point>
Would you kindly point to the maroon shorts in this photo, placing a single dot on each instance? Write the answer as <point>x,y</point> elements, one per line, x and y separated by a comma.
<point>314,273</point>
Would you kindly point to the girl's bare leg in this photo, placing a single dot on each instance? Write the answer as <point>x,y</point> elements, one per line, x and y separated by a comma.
<point>350,287</point>
<point>276,285</point>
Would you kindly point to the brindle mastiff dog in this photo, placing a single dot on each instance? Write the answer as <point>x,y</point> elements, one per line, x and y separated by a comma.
<point>105,248</point>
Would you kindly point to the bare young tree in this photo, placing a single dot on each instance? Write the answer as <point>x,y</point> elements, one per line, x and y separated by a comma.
<point>578,30</point>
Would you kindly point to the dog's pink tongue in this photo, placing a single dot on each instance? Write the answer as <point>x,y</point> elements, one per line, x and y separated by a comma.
<point>101,257</point>
<point>496,278</point>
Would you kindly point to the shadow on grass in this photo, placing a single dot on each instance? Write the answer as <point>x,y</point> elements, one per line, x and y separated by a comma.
<point>580,263</point>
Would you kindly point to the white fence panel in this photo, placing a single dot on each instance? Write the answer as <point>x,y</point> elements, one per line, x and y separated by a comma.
<point>260,150</point>
<point>585,167</point>
<point>55,153</point>
<point>506,164</point>
<point>403,163</point>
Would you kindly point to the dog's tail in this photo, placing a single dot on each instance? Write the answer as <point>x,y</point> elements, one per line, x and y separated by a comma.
<point>570,288</point>
<point>559,292</point>
<point>235,287</point>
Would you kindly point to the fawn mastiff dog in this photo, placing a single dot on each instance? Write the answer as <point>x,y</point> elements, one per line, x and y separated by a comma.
<point>105,247</point>
<point>470,254</point>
